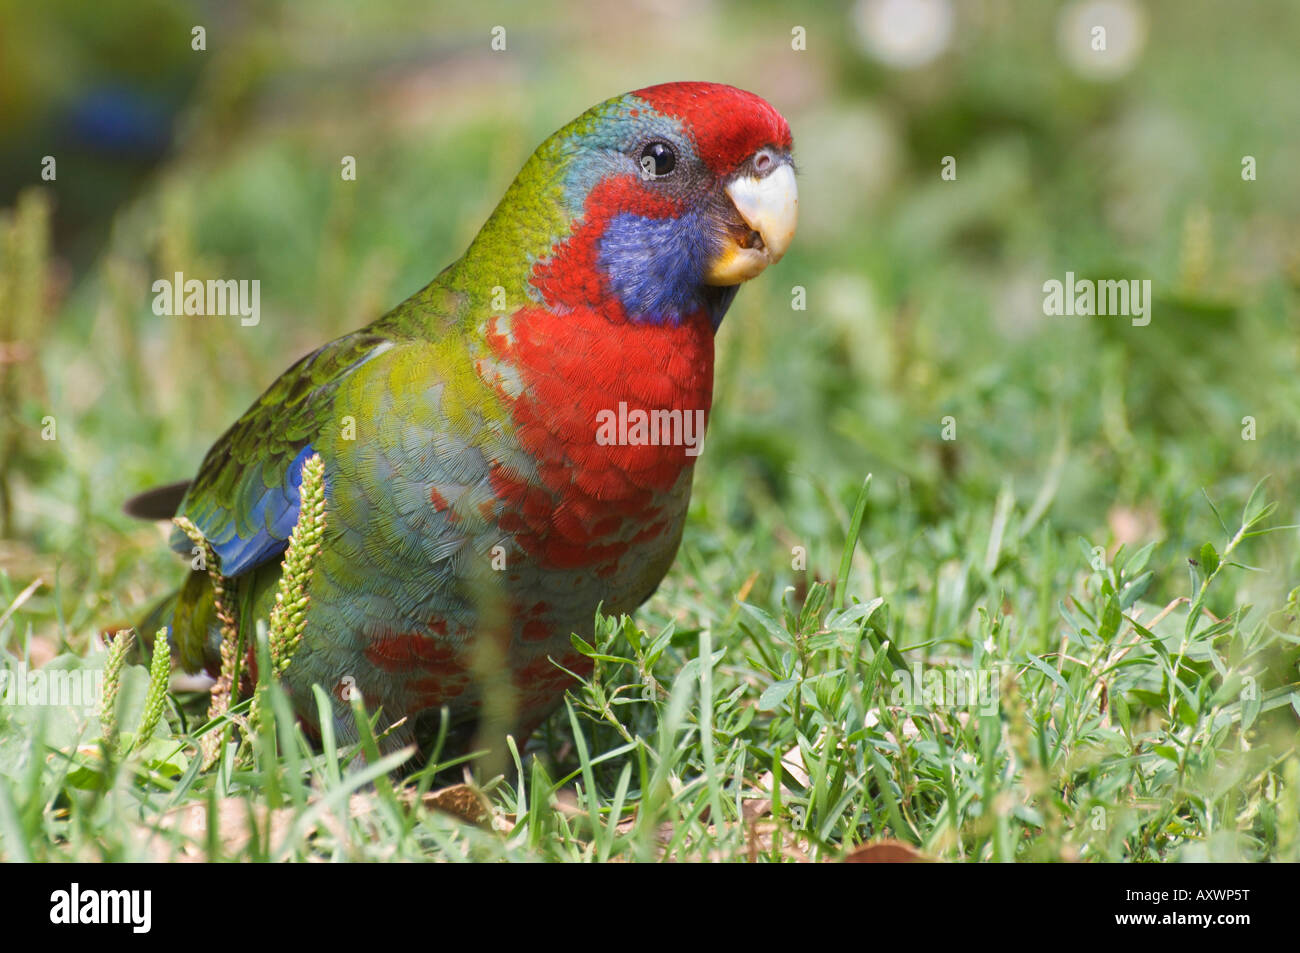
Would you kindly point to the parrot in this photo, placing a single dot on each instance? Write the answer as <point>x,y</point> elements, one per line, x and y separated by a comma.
<point>481,502</point>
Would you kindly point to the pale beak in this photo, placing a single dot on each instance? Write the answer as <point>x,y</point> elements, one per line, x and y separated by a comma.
<point>770,207</point>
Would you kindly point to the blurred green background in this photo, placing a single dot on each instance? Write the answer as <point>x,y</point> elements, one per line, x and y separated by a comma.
<point>923,296</point>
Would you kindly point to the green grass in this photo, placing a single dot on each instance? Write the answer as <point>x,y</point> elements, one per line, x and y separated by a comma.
<point>1117,732</point>
<point>1100,542</point>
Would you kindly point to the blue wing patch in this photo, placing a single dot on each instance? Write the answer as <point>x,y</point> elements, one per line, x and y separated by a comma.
<point>265,528</point>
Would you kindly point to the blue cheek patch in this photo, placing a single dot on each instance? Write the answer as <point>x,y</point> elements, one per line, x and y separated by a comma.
<point>656,265</point>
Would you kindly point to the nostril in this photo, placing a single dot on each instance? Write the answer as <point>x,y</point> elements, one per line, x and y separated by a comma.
<point>763,161</point>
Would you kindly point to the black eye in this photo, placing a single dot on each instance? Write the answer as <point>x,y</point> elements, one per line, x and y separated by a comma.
<point>658,158</point>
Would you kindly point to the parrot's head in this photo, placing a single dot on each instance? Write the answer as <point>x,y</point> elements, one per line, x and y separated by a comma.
<point>654,206</point>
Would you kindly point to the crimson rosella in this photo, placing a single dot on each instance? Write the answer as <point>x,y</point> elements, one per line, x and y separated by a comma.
<point>530,418</point>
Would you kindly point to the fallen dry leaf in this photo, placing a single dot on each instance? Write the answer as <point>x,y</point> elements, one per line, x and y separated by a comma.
<point>460,800</point>
<point>886,852</point>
